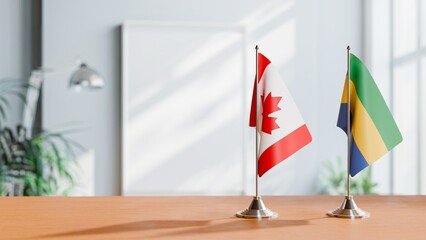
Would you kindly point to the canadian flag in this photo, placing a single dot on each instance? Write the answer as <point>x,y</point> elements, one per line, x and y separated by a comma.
<point>281,128</point>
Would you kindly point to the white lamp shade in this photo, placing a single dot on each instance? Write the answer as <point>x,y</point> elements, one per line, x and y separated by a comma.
<point>86,78</point>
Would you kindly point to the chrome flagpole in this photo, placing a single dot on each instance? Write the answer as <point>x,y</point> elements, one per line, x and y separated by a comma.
<point>257,122</point>
<point>257,208</point>
<point>348,208</point>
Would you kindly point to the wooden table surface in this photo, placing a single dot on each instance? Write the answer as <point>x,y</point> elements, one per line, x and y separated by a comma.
<point>300,217</point>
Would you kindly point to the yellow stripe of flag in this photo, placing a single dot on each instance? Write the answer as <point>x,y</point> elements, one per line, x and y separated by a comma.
<point>364,131</point>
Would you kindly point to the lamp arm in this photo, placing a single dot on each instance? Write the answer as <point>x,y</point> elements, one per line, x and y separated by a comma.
<point>32,97</point>
<point>46,72</point>
<point>84,76</point>
<point>33,93</point>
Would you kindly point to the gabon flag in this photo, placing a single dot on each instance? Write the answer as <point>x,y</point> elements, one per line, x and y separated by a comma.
<point>281,128</point>
<point>374,131</point>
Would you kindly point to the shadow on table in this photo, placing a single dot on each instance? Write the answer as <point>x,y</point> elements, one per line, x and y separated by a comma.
<point>191,227</point>
<point>238,225</point>
<point>129,227</point>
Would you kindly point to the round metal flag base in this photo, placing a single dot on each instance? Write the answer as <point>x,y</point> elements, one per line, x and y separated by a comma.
<point>348,209</point>
<point>257,209</point>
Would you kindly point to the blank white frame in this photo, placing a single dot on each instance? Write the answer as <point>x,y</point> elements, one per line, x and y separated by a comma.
<point>172,26</point>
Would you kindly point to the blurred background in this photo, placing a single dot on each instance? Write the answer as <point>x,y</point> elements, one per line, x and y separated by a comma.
<point>172,115</point>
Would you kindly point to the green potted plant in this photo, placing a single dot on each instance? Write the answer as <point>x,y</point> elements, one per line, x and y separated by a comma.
<point>32,166</point>
<point>334,176</point>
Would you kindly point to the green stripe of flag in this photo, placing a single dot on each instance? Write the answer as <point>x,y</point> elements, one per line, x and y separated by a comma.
<point>370,96</point>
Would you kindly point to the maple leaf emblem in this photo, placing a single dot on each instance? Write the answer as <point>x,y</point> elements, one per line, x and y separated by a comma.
<point>270,105</point>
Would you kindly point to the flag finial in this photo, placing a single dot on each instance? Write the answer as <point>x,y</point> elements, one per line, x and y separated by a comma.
<point>257,47</point>
<point>349,48</point>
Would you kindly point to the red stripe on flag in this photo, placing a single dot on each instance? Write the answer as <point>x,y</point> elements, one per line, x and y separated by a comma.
<point>252,120</point>
<point>263,62</point>
<point>283,149</point>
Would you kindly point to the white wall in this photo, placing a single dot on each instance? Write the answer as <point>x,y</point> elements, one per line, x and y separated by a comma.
<point>305,39</point>
<point>15,47</point>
